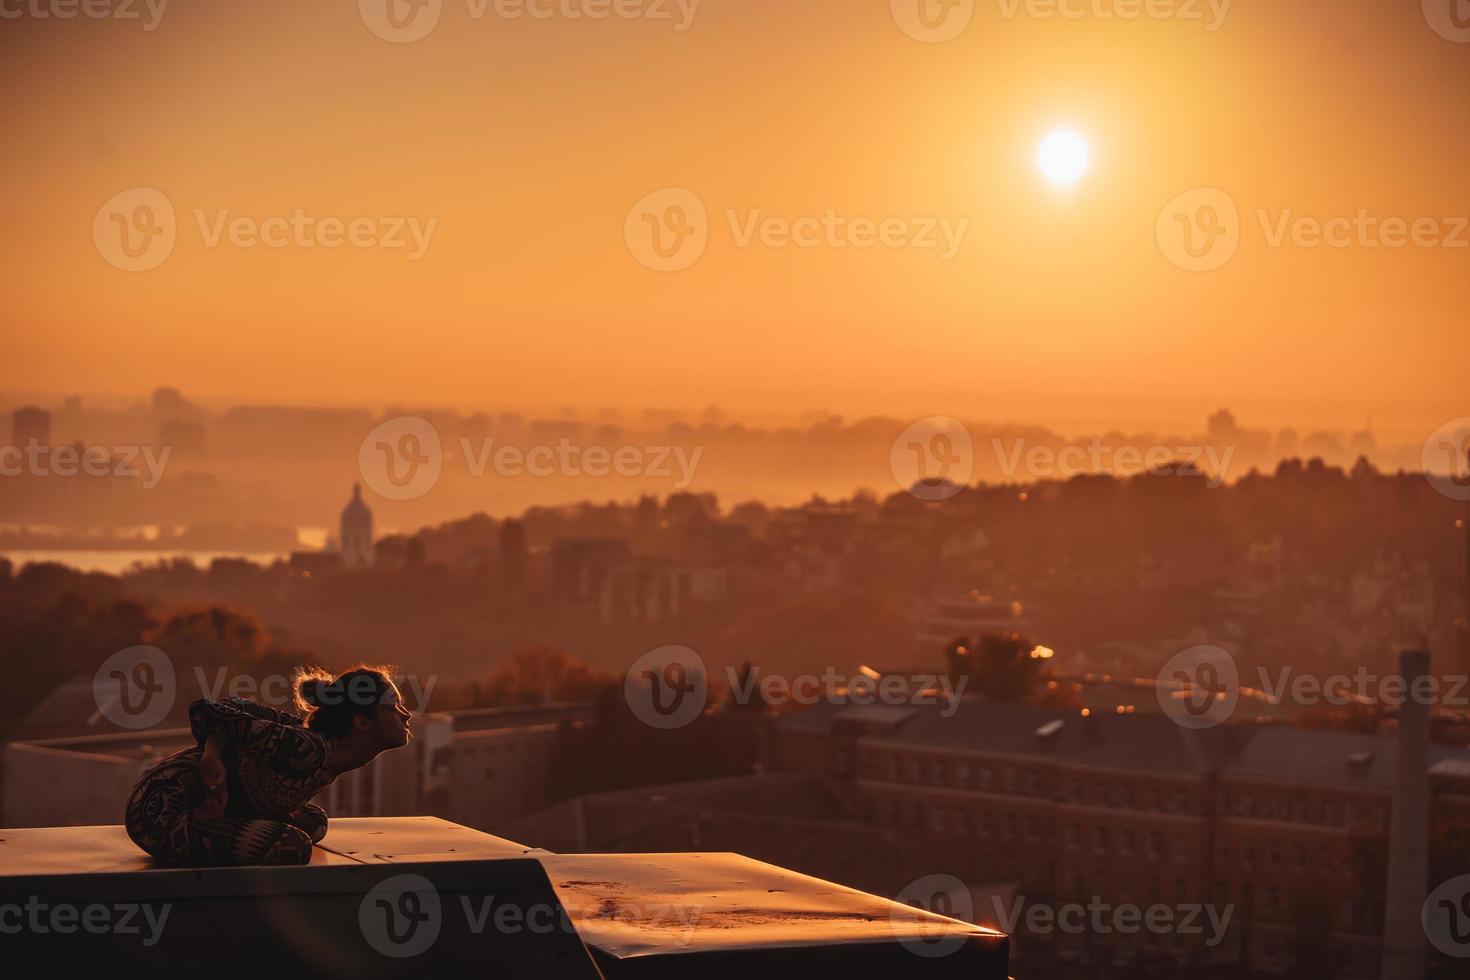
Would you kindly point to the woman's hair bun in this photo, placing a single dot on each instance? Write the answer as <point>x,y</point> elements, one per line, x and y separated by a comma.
<point>313,689</point>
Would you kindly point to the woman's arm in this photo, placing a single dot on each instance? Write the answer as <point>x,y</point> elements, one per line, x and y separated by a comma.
<point>235,720</point>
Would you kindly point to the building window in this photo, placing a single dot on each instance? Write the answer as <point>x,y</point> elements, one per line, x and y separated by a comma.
<point>1074,838</point>
<point>1125,843</point>
<point>1128,795</point>
<point>962,821</point>
<point>1100,840</point>
<point>939,773</point>
<point>1102,794</point>
<point>1033,828</point>
<point>1008,827</point>
<point>985,778</point>
<point>1155,846</point>
<point>962,774</point>
<point>1298,856</point>
<point>895,770</point>
<point>1181,849</point>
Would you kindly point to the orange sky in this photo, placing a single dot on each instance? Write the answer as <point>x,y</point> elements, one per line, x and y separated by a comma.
<point>527,142</point>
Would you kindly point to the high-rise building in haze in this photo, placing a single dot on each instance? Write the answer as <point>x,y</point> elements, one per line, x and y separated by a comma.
<point>28,424</point>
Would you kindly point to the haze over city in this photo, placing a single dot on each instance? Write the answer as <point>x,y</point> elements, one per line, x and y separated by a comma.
<point>620,489</point>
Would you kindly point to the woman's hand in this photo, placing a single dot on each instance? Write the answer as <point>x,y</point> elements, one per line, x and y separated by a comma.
<point>212,772</point>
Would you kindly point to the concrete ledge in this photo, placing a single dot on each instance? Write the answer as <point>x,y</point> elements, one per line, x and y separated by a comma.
<point>422,897</point>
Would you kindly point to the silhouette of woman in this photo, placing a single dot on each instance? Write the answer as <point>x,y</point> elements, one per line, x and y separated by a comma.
<point>242,795</point>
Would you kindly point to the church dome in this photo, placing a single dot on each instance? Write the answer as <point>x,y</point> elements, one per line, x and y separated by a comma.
<point>356,509</point>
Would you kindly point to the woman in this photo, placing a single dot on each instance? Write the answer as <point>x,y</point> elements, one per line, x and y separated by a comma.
<point>241,796</point>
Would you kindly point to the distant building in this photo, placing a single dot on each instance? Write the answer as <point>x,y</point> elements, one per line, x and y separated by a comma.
<point>357,531</point>
<point>485,767</point>
<point>184,438</point>
<point>1135,808</point>
<point>967,617</point>
<point>30,424</point>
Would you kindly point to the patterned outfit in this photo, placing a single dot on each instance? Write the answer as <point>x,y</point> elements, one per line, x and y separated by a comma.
<point>275,765</point>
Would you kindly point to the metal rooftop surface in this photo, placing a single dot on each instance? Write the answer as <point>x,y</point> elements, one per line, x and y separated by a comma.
<point>349,840</point>
<point>420,896</point>
<point>641,904</point>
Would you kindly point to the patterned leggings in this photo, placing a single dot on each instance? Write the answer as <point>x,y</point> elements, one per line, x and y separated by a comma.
<point>159,821</point>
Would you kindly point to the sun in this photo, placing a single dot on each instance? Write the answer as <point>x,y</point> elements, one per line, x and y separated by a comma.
<point>1063,157</point>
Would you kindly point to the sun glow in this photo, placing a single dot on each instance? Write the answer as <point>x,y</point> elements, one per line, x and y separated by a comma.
<point>1063,157</point>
